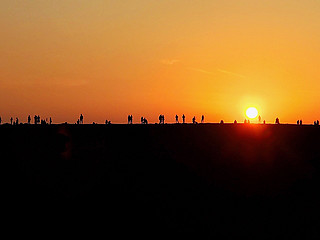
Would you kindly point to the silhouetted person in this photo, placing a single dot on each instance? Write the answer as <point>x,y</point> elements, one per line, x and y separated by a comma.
<point>0,120</point>
<point>29,119</point>
<point>248,121</point>
<point>202,119</point>
<point>50,121</point>
<point>277,121</point>
<point>81,118</point>
<point>130,119</point>
<point>78,121</point>
<point>235,122</point>
<point>264,121</point>
<point>11,120</point>
<point>177,119</point>
<point>183,118</point>
<point>161,119</point>
<point>259,118</point>
<point>300,122</point>
<point>194,120</point>
<point>142,120</point>
<point>245,121</point>
<point>221,122</point>
<point>17,121</point>
<point>318,122</point>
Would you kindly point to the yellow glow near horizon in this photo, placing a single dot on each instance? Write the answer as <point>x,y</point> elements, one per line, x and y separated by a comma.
<point>252,112</point>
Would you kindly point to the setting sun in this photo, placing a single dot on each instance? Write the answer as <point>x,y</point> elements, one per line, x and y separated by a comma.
<point>252,112</point>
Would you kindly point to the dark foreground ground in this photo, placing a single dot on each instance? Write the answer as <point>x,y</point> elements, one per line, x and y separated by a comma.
<point>171,180</point>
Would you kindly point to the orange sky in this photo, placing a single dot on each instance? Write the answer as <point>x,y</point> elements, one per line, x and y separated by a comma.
<point>109,58</point>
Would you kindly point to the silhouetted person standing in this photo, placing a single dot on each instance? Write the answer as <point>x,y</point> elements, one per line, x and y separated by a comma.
<point>264,121</point>
<point>17,121</point>
<point>202,119</point>
<point>317,122</point>
<point>50,120</point>
<point>11,120</point>
<point>235,122</point>
<point>81,118</point>
<point>29,119</point>
<point>183,118</point>
<point>259,118</point>
<point>0,120</point>
<point>300,122</point>
<point>177,119</point>
<point>161,119</point>
<point>130,119</point>
<point>142,120</point>
<point>277,121</point>
<point>194,120</point>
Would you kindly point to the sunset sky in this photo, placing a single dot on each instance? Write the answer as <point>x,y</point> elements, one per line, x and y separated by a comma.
<point>109,58</point>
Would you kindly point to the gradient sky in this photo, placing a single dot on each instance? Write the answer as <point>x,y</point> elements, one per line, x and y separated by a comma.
<point>109,58</point>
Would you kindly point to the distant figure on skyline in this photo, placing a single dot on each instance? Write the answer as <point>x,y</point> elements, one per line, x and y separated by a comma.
<point>194,120</point>
<point>235,122</point>
<point>264,121</point>
<point>50,121</point>
<point>129,119</point>
<point>29,119</point>
<point>221,122</point>
<point>161,119</point>
<point>145,121</point>
<point>317,122</point>
<point>277,121</point>
<point>183,118</point>
<point>142,120</point>
<point>11,120</point>
<point>259,118</point>
<point>177,119</point>
<point>202,119</point>
<point>300,122</point>
<point>245,121</point>
<point>17,121</point>
<point>81,119</point>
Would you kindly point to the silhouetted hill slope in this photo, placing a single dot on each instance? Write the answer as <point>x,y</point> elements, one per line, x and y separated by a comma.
<point>216,180</point>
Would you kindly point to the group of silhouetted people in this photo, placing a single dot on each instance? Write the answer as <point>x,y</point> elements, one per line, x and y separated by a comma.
<point>143,120</point>
<point>80,119</point>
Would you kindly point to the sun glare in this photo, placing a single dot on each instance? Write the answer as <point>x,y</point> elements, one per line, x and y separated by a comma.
<point>252,112</point>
